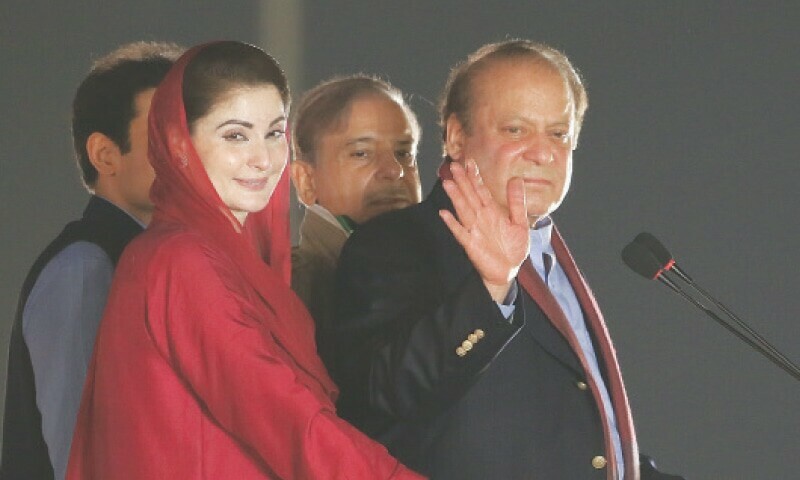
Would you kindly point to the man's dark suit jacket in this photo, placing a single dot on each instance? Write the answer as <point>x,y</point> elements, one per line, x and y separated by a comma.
<point>515,406</point>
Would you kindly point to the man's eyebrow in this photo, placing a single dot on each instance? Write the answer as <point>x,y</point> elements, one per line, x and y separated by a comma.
<point>360,140</point>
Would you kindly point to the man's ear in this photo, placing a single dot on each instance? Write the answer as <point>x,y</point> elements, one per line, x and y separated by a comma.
<point>303,179</point>
<point>103,153</point>
<point>454,137</point>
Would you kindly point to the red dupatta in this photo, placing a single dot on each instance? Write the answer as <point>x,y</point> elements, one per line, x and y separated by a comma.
<point>261,249</point>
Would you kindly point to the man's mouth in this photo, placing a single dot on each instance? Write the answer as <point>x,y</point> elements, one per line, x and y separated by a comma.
<point>536,181</point>
<point>391,200</point>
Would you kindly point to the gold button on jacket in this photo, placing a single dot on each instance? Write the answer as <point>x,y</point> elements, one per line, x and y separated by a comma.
<point>599,462</point>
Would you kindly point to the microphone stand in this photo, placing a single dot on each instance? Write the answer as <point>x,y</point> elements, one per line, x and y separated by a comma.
<point>759,344</point>
<point>741,323</point>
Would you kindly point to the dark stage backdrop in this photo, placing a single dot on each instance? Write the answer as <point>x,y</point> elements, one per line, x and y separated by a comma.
<point>689,135</point>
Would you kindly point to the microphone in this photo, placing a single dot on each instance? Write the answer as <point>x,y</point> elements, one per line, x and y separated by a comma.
<point>660,252</point>
<point>642,261</point>
<point>648,257</point>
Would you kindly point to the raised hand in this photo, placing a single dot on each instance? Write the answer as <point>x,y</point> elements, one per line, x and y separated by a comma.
<point>496,240</point>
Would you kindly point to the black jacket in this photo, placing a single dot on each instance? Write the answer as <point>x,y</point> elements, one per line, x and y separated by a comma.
<point>508,408</point>
<point>512,407</point>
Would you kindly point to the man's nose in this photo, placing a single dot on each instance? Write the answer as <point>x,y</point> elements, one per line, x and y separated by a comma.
<point>389,167</point>
<point>539,149</point>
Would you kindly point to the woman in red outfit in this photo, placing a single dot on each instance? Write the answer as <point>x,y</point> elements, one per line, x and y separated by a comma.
<point>205,364</point>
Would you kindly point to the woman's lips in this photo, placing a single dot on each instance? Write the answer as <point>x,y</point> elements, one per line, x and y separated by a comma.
<point>254,184</point>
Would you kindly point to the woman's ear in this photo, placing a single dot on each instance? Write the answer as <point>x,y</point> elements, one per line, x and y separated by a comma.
<point>454,137</point>
<point>179,145</point>
<point>103,154</point>
<point>303,180</point>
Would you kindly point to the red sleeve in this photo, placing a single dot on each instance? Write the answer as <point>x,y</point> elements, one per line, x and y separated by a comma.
<point>215,341</point>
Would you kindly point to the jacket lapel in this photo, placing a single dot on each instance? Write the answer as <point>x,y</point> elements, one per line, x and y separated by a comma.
<point>606,355</point>
<point>545,330</point>
<point>321,237</point>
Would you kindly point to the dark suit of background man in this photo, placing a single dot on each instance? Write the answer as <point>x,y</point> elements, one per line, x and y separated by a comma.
<point>64,294</point>
<point>466,339</point>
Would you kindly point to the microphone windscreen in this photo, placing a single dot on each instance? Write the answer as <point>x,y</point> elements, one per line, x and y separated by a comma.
<point>641,260</point>
<point>655,247</point>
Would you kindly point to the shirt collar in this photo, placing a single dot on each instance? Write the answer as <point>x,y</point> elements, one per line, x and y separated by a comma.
<point>326,215</point>
<point>540,234</point>
<point>141,224</point>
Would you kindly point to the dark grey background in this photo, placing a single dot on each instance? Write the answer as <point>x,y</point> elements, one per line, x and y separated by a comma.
<point>690,134</point>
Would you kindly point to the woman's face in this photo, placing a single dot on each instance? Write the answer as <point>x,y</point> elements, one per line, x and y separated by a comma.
<point>242,144</point>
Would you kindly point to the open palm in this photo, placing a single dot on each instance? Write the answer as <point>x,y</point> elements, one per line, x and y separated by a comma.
<point>495,240</point>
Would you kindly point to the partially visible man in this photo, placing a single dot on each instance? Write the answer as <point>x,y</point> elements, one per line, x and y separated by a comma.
<point>64,294</point>
<point>465,337</point>
<point>355,143</point>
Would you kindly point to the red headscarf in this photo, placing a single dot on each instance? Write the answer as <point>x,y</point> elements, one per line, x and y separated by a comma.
<point>261,249</point>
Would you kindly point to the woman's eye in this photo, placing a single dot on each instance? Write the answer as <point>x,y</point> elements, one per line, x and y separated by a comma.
<point>234,136</point>
<point>359,154</point>
<point>277,133</point>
